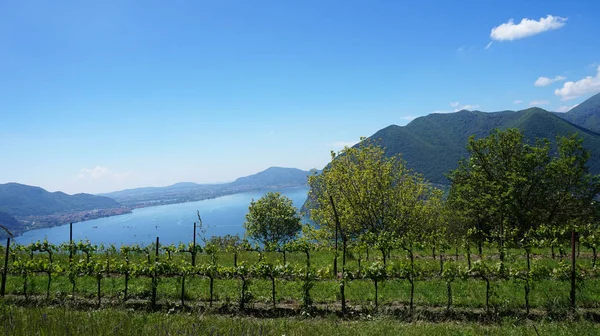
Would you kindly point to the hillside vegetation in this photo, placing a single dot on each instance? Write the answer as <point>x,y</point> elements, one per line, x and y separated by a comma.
<point>586,114</point>
<point>432,145</point>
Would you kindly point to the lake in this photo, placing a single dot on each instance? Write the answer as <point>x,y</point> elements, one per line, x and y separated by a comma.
<point>173,223</point>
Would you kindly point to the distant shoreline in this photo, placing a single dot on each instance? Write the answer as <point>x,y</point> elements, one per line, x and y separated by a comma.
<point>49,221</point>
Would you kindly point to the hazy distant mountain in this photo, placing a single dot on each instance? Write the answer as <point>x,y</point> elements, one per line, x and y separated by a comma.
<point>23,200</point>
<point>432,145</point>
<point>586,114</point>
<point>10,223</point>
<point>274,177</point>
<point>271,178</point>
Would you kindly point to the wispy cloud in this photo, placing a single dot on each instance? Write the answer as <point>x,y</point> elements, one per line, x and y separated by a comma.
<point>510,31</point>
<point>100,172</point>
<point>545,81</point>
<point>565,108</point>
<point>95,173</point>
<point>587,85</point>
<point>488,45</point>
<point>539,102</point>
<point>458,107</point>
<point>518,101</point>
<point>463,49</point>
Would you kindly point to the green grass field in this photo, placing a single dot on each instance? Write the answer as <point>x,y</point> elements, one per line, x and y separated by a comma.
<point>67,312</point>
<point>49,321</point>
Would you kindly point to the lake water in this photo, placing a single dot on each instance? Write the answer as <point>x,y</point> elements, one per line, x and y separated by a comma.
<point>173,223</point>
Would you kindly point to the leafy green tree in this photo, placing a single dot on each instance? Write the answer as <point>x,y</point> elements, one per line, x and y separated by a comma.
<point>523,189</point>
<point>364,193</point>
<point>273,221</point>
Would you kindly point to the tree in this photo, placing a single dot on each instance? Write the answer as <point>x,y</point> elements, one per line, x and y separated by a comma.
<point>524,189</point>
<point>364,193</point>
<point>272,221</point>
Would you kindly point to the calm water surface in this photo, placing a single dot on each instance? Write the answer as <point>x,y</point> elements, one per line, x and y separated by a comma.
<point>172,223</point>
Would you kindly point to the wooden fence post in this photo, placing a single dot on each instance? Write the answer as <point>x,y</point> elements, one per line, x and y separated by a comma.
<point>5,270</point>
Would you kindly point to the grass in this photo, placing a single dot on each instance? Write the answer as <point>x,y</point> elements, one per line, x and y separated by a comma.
<point>15,320</point>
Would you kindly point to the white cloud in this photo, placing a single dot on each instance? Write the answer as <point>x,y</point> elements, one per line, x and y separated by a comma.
<point>518,101</point>
<point>100,173</point>
<point>587,85</point>
<point>488,45</point>
<point>565,108</point>
<point>409,118</point>
<point>545,81</point>
<point>342,144</point>
<point>95,173</point>
<point>527,27</point>
<point>458,107</point>
<point>539,102</point>
<point>467,107</point>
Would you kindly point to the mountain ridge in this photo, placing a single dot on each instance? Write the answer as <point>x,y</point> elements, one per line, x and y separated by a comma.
<point>23,200</point>
<point>270,178</point>
<point>432,145</point>
<point>586,114</point>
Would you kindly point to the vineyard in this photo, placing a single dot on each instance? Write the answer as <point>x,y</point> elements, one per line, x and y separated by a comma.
<point>180,277</point>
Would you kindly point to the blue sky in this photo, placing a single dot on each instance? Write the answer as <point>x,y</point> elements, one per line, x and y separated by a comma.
<point>98,96</point>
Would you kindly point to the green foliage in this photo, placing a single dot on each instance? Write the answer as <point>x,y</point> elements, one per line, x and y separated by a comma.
<point>272,220</point>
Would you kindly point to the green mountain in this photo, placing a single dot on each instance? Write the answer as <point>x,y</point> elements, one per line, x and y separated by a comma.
<point>271,178</point>
<point>586,114</point>
<point>23,200</point>
<point>432,145</point>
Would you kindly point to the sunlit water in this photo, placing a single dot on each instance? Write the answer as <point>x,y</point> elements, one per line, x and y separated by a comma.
<point>172,223</point>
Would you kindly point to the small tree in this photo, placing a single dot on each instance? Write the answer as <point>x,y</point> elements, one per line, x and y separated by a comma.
<point>272,221</point>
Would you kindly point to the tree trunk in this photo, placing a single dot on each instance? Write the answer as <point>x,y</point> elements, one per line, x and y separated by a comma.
<point>480,248</point>
<point>25,287</point>
<point>595,256</point>
<point>441,263</point>
<point>433,252</point>
<point>573,260</point>
<point>527,284</point>
<point>376,293</point>
<point>243,294</point>
<point>552,251</point>
<point>284,258</point>
<point>343,284</point>
<point>456,253</point>
<point>384,255</point>
<point>99,299</point>
<point>468,247</point>
<point>273,290</point>
<point>211,286</point>
<point>487,295</point>
<point>412,280</point>
<point>449,289</point>
<point>48,286</point>
<point>126,286</point>
<point>183,291</point>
